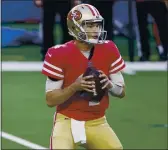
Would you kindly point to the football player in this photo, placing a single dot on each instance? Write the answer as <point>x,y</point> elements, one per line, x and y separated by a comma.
<point>78,121</point>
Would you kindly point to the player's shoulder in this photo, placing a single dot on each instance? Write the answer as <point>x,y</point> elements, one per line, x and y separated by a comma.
<point>109,46</point>
<point>60,49</point>
<point>57,49</point>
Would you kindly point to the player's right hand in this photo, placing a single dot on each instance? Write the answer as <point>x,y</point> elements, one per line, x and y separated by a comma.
<point>83,83</point>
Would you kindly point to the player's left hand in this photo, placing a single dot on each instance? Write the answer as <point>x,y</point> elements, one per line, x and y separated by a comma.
<point>105,80</point>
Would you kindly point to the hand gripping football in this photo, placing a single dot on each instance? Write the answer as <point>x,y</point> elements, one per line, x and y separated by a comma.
<point>99,92</point>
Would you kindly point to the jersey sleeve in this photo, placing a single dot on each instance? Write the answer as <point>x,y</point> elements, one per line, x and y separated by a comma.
<point>53,64</point>
<point>117,62</point>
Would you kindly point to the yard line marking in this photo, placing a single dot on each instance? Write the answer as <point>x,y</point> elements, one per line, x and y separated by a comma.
<point>21,141</point>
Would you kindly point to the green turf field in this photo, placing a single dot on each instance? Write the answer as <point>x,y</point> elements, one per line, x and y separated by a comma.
<point>138,119</point>
<point>135,119</point>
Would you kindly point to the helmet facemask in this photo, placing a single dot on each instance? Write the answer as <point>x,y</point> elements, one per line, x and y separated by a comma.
<point>93,31</point>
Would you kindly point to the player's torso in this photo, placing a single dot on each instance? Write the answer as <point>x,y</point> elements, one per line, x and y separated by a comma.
<point>75,65</point>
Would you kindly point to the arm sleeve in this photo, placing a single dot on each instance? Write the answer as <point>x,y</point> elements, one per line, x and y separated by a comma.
<point>117,62</point>
<point>118,84</point>
<point>52,85</point>
<point>117,78</point>
<point>53,64</point>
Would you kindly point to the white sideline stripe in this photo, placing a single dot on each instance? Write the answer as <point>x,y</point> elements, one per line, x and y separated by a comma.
<point>21,66</point>
<point>37,66</point>
<point>21,141</point>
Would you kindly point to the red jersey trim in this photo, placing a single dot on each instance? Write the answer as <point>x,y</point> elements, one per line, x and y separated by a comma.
<point>117,65</point>
<point>52,74</point>
<point>52,71</point>
<point>52,66</point>
<point>119,68</point>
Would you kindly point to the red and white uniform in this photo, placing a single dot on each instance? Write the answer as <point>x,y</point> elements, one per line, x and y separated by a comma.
<point>66,62</point>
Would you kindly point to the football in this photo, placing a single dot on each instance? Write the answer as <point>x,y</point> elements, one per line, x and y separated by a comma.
<point>99,92</point>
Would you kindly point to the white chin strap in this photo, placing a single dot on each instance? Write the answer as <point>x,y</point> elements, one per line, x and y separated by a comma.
<point>95,41</point>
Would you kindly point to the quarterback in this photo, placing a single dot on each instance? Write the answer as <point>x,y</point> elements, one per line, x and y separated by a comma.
<point>79,121</point>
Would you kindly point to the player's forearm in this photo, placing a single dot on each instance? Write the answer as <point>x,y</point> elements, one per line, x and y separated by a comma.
<point>117,90</point>
<point>59,96</point>
<point>117,85</point>
<point>121,95</point>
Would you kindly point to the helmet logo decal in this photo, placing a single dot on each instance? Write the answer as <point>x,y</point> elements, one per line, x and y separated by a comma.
<point>76,14</point>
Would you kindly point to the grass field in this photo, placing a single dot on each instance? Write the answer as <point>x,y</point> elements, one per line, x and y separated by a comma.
<point>136,119</point>
<point>140,119</point>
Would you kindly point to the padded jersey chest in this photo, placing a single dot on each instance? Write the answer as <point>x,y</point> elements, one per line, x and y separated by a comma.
<point>76,63</point>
